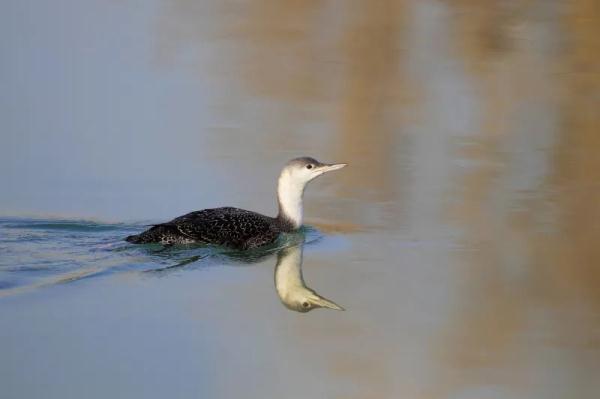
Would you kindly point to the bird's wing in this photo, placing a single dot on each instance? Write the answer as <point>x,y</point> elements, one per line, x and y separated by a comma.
<point>226,226</point>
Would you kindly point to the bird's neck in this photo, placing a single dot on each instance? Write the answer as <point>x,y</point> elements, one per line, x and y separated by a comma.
<point>289,196</point>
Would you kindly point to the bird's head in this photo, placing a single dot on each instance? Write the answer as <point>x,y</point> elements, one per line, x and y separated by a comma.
<point>294,177</point>
<point>304,300</point>
<point>302,170</point>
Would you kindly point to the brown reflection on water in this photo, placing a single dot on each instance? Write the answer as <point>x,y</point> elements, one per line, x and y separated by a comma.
<point>531,256</point>
<point>331,72</point>
<point>488,111</point>
<point>365,119</point>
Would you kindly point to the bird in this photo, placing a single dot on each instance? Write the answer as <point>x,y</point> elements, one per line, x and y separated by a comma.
<point>290,285</point>
<point>241,229</point>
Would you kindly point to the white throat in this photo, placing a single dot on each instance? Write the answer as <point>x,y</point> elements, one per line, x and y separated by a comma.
<point>289,195</point>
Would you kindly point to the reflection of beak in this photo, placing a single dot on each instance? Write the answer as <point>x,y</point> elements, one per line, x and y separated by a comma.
<point>325,303</point>
<point>331,167</point>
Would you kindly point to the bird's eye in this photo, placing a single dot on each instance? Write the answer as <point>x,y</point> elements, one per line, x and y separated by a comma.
<point>309,166</point>
<point>305,304</point>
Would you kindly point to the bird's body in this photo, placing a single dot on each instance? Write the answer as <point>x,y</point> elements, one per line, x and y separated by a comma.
<point>228,226</point>
<point>239,228</point>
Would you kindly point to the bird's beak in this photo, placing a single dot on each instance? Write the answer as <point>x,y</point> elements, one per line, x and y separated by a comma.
<point>326,303</point>
<point>331,167</point>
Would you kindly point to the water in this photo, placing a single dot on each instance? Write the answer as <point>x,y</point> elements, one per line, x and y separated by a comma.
<point>42,258</point>
<point>87,314</point>
<point>40,253</point>
<point>462,238</point>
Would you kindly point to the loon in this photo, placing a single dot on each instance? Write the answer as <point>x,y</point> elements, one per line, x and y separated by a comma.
<point>238,228</point>
<point>290,286</point>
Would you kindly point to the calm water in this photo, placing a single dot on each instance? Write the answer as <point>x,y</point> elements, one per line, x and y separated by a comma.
<point>462,239</point>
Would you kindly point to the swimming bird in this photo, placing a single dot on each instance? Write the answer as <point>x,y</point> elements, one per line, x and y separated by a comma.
<point>290,285</point>
<point>238,228</point>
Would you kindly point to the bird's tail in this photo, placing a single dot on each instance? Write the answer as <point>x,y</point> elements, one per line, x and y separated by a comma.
<point>153,234</point>
<point>135,239</point>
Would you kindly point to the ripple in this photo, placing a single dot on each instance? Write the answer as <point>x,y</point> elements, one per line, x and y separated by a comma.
<point>39,253</point>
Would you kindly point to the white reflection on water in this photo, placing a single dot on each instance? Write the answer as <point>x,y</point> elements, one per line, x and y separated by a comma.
<point>290,285</point>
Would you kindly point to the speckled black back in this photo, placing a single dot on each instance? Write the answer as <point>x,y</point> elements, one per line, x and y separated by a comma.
<point>232,227</point>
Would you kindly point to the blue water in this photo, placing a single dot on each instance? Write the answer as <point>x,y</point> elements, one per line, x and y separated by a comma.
<point>36,253</point>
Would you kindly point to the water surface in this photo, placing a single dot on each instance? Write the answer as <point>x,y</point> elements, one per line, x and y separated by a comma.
<point>462,239</point>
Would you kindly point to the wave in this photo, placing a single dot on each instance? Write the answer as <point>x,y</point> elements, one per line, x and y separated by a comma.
<point>67,225</point>
<point>36,253</point>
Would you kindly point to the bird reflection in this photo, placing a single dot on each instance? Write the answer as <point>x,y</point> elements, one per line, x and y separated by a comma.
<point>290,286</point>
<point>289,283</point>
